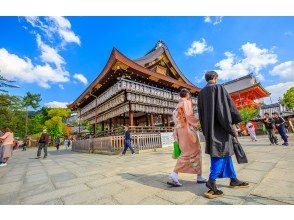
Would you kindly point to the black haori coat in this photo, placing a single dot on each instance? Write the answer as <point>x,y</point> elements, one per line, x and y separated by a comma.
<point>217,113</point>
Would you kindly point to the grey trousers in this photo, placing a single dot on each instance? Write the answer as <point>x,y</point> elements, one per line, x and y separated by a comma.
<point>42,146</point>
<point>1,153</point>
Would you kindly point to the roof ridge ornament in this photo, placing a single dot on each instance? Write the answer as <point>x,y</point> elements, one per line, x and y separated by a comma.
<point>160,43</point>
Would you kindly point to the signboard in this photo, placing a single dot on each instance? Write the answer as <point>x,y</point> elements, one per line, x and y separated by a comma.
<point>167,139</point>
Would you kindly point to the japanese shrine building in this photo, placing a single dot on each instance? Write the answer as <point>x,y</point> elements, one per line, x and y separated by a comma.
<point>141,92</point>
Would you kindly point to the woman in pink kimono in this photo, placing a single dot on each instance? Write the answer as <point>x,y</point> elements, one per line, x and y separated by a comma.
<point>186,135</point>
<point>251,130</point>
<point>7,143</point>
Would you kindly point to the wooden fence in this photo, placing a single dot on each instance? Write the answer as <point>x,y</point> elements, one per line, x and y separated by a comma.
<point>115,144</point>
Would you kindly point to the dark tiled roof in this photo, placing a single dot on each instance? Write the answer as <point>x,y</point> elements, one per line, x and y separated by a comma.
<point>155,52</point>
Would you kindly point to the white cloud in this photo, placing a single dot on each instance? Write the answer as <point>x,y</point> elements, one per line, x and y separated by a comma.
<point>198,47</point>
<point>49,54</point>
<point>278,90</point>
<point>81,78</point>
<point>254,60</point>
<point>207,19</point>
<point>284,70</point>
<point>213,20</point>
<point>56,104</point>
<point>289,33</point>
<point>16,68</point>
<point>61,86</point>
<point>55,26</point>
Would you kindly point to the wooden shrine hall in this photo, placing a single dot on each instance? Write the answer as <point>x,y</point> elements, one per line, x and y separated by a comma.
<point>141,92</point>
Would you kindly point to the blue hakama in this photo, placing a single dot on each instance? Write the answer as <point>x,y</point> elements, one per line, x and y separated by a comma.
<point>222,168</point>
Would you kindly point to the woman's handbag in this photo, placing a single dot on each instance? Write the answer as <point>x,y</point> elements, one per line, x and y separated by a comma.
<point>239,152</point>
<point>177,150</point>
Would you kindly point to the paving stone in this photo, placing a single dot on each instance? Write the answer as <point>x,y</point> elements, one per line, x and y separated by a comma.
<point>77,181</point>
<point>260,166</point>
<point>135,195</point>
<point>60,177</point>
<point>281,174</point>
<point>40,198</point>
<point>10,187</point>
<point>176,196</point>
<point>253,176</point>
<point>141,179</point>
<point>94,195</point>
<point>53,202</point>
<point>8,178</point>
<point>154,200</point>
<point>275,189</point>
<point>10,198</point>
<point>255,200</point>
<point>35,190</point>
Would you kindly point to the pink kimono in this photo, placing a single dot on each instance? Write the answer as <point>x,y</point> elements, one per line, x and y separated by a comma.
<point>190,160</point>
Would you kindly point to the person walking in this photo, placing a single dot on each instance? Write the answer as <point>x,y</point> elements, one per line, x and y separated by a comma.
<point>128,142</point>
<point>43,144</point>
<point>7,140</point>
<point>269,125</point>
<point>280,125</point>
<point>251,130</point>
<point>218,115</point>
<point>67,143</point>
<point>57,143</point>
<point>185,133</point>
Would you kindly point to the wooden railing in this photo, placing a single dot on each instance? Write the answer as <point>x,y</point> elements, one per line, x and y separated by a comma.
<point>133,130</point>
<point>115,144</point>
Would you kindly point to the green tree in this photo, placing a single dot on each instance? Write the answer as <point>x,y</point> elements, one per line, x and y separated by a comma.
<point>288,98</point>
<point>5,83</point>
<point>12,114</point>
<point>33,101</point>
<point>55,124</point>
<point>56,128</point>
<point>248,113</point>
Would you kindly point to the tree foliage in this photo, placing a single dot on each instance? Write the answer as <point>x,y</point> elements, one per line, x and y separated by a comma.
<point>5,83</point>
<point>288,98</point>
<point>248,113</point>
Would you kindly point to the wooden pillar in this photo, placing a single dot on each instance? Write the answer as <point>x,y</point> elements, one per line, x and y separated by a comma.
<point>163,120</point>
<point>102,125</point>
<point>110,123</point>
<point>147,120</point>
<point>131,118</point>
<point>124,119</point>
<point>167,120</point>
<point>151,120</point>
<point>94,128</point>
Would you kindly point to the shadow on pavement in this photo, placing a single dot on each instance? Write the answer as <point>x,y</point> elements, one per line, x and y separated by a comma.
<point>60,152</point>
<point>160,181</point>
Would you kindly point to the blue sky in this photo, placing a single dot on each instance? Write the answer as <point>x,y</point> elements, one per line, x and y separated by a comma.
<point>59,56</point>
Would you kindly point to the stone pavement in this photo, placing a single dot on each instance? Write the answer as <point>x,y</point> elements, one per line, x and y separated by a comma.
<point>66,177</point>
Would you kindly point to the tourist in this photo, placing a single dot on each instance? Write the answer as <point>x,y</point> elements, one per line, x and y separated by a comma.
<point>67,143</point>
<point>185,132</point>
<point>1,146</point>
<point>128,142</point>
<point>218,115</point>
<point>7,144</point>
<point>280,125</point>
<point>251,130</point>
<point>270,128</point>
<point>57,143</point>
<point>43,144</point>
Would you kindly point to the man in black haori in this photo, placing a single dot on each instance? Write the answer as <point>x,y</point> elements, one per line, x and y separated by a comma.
<point>218,117</point>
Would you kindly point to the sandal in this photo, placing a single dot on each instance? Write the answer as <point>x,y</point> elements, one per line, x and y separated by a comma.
<point>213,194</point>
<point>239,184</point>
<point>174,184</point>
